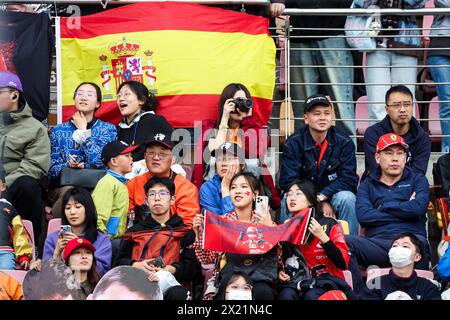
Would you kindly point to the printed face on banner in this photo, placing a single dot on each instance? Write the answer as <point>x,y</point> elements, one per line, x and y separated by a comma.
<point>246,238</point>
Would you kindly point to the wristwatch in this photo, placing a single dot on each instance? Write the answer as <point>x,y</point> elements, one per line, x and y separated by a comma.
<point>321,197</point>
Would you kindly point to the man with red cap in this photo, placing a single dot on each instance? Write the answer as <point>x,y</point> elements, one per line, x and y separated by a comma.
<point>24,152</point>
<point>391,201</point>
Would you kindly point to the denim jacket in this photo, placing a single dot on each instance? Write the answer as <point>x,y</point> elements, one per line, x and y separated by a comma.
<point>337,168</point>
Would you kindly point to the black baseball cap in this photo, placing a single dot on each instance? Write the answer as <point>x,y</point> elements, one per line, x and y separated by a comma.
<point>116,148</point>
<point>315,100</point>
<point>231,148</point>
<point>163,137</point>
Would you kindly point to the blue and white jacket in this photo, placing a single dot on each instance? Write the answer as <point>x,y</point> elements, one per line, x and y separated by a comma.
<point>211,197</point>
<point>85,146</point>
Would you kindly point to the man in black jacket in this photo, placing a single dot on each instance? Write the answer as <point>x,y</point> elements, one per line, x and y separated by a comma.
<point>319,56</point>
<point>402,282</point>
<point>160,241</point>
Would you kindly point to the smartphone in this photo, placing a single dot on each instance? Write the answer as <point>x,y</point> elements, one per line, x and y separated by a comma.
<point>157,262</point>
<point>65,228</point>
<point>261,203</point>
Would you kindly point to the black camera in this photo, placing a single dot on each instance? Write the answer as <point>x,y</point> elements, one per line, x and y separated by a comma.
<point>389,22</point>
<point>243,104</point>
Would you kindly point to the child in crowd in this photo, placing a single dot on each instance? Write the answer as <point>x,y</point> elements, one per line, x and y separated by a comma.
<point>237,286</point>
<point>14,242</point>
<point>111,194</point>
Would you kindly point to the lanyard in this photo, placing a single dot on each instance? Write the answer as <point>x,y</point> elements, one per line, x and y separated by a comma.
<point>323,148</point>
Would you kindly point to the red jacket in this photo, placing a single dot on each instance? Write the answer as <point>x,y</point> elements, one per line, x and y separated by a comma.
<point>315,254</point>
<point>263,142</point>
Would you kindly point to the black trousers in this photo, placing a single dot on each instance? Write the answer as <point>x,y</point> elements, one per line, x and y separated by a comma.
<point>25,194</point>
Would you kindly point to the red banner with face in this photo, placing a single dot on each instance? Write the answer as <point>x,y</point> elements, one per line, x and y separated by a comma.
<point>248,238</point>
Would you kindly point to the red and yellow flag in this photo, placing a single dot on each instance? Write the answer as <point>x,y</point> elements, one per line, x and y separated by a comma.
<point>185,53</point>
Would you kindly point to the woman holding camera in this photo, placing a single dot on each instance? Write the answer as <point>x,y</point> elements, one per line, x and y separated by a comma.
<point>80,215</point>
<point>325,252</point>
<point>235,123</point>
<point>261,268</point>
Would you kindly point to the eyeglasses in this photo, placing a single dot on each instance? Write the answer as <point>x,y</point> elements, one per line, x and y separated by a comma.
<point>80,94</point>
<point>398,105</point>
<point>161,155</point>
<point>296,194</point>
<point>123,95</point>
<point>161,194</point>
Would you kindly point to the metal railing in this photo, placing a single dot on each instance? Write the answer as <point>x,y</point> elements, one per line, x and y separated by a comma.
<point>288,68</point>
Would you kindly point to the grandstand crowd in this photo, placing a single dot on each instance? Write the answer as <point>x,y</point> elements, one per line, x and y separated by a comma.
<point>106,212</point>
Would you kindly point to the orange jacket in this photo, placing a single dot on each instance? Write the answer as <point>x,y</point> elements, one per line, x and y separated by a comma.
<point>10,289</point>
<point>187,201</point>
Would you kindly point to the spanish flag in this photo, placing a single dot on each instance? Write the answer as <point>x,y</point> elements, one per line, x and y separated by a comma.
<point>184,53</point>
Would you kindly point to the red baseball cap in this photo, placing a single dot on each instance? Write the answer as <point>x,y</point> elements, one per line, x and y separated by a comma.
<point>390,139</point>
<point>333,295</point>
<point>76,243</point>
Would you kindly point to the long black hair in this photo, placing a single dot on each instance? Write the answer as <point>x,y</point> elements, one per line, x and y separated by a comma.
<point>252,181</point>
<point>142,93</point>
<point>83,197</point>
<point>227,93</point>
<point>230,279</point>
<point>309,190</point>
<point>93,276</point>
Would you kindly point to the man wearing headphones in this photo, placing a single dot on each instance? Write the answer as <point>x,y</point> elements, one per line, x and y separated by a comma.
<point>392,200</point>
<point>25,151</point>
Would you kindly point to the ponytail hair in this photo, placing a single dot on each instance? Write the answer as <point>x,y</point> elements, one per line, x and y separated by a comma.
<point>142,93</point>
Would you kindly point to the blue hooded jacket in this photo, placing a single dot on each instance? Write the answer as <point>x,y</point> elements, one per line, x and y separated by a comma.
<point>211,197</point>
<point>386,211</point>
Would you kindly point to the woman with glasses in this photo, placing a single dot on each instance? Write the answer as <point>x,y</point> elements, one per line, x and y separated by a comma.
<point>78,143</point>
<point>139,122</point>
<point>325,253</point>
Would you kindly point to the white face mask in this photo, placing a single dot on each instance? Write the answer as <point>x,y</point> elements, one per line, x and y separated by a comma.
<point>239,295</point>
<point>400,257</point>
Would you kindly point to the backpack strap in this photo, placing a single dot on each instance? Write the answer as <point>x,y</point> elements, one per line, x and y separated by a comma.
<point>144,251</point>
<point>163,248</point>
